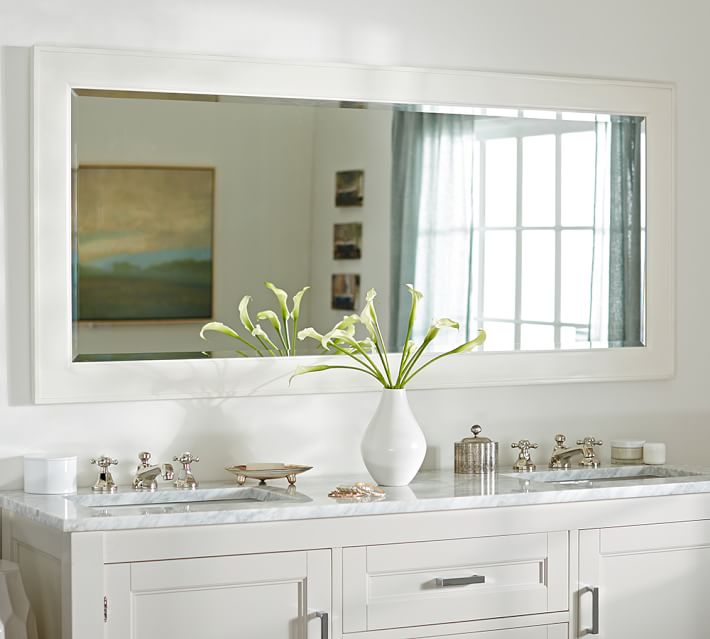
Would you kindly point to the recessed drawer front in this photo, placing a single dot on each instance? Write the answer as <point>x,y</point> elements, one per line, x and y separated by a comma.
<point>399,585</point>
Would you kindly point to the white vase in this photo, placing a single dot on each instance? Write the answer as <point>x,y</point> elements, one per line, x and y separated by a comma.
<point>393,446</point>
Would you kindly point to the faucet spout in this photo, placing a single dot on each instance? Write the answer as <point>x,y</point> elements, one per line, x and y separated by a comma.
<point>145,478</point>
<point>563,459</point>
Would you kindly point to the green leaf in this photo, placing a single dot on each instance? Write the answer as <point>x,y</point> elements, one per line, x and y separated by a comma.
<point>296,311</point>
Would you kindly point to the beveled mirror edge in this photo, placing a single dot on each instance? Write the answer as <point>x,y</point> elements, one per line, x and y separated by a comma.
<point>56,70</point>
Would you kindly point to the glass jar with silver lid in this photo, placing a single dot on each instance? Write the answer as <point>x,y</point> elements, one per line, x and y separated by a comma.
<point>475,455</point>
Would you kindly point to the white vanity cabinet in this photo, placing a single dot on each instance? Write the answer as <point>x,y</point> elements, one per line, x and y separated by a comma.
<point>651,580</point>
<point>535,571</point>
<point>259,596</point>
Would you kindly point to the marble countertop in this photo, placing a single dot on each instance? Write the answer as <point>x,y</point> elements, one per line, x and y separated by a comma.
<point>227,503</point>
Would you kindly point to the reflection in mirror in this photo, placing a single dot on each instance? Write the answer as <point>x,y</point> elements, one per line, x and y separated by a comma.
<point>529,224</point>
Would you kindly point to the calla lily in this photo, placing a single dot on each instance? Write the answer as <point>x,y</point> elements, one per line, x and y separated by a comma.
<point>276,325</point>
<point>463,348</point>
<point>282,297</point>
<point>309,332</point>
<point>296,310</point>
<point>342,340</point>
<point>218,327</point>
<point>261,335</point>
<point>256,331</point>
<point>244,313</point>
<point>271,316</point>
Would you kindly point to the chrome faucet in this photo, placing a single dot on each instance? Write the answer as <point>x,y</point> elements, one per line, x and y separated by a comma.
<point>524,462</point>
<point>105,482</point>
<point>562,456</point>
<point>147,474</point>
<point>185,478</point>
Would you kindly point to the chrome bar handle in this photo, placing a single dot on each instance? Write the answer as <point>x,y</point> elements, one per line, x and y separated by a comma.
<point>323,616</point>
<point>594,630</point>
<point>460,581</point>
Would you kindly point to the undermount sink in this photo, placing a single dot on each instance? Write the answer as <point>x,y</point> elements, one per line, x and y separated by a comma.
<point>599,476</point>
<point>166,501</point>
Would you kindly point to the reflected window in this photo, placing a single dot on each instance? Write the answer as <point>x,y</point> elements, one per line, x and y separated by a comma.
<point>549,229</point>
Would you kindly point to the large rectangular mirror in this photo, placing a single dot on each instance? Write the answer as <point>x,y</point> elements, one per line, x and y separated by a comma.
<point>527,223</point>
<point>166,188</point>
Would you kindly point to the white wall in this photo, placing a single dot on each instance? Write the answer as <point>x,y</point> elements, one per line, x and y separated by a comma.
<point>348,139</point>
<point>636,39</point>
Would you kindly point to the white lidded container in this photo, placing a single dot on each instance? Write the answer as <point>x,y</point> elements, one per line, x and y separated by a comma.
<point>47,474</point>
<point>627,451</point>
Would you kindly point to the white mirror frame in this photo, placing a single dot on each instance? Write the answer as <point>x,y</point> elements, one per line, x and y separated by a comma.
<point>58,70</point>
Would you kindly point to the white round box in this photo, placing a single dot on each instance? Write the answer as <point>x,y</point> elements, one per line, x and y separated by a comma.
<point>50,474</point>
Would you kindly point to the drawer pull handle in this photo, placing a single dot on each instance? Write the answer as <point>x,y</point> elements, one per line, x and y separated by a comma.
<point>594,630</point>
<point>460,581</point>
<point>323,616</point>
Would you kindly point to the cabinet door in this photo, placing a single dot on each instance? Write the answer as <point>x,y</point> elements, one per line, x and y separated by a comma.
<point>651,581</point>
<point>256,596</point>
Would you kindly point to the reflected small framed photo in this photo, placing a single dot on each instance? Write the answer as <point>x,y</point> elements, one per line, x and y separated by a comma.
<point>349,189</point>
<point>345,291</point>
<point>347,241</point>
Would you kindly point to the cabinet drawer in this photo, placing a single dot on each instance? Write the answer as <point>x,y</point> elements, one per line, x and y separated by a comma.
<point>398,585</point>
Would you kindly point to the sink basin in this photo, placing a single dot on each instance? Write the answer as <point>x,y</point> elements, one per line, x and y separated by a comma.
<point>172,501</point>
<point>605,476</point>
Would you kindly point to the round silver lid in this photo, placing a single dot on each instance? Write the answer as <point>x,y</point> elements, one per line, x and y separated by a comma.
<point>475,440</point>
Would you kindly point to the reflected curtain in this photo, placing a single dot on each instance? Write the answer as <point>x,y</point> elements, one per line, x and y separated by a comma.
<point>432,220</point>
<point>625,233</point>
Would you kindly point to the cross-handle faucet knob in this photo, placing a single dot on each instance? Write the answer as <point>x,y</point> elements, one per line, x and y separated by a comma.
<point>589,458</point>
<point>524,462</point>
<point>105,482</point>
<point>103,461</point>
<point>185,478</point>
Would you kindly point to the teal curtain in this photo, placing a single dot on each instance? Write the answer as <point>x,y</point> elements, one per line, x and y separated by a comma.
<point>431,219</point>
<point>625,232</point>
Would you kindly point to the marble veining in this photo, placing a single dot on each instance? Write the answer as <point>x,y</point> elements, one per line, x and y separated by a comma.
<point>225,503</point>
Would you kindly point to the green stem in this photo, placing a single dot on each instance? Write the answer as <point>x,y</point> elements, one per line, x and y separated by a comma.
<point>405,355</point>
<point>423,366</point>
<point>295,333</point>
<point>383,356</point>
<point>374,371</point>
<point>413,360</point>
<point>356,368</point>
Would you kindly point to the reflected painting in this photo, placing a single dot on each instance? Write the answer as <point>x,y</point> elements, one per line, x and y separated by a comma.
<point>143,243</point>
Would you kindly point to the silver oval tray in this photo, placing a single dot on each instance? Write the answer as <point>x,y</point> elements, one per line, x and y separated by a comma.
<point>265,471</point>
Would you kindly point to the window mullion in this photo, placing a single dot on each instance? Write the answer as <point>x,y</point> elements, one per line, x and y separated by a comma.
<point>519,243</point>
<point>558,240</point>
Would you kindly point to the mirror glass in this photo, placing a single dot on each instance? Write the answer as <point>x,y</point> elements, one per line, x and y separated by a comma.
<point>528,224</point>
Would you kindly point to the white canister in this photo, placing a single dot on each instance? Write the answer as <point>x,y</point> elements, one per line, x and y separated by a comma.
<point>654,453</point>
<point>50,474</point>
